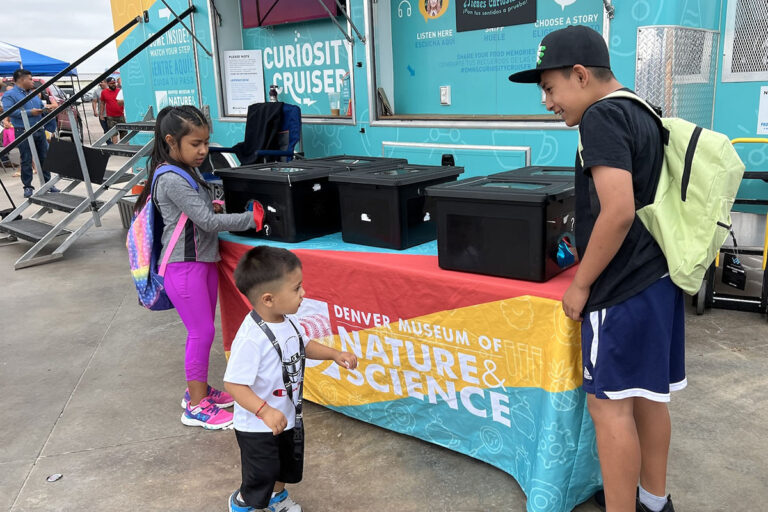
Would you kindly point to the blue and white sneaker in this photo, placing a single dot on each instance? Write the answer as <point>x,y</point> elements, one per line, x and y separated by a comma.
<point>222,399</point>
<point>206,415</point>
<point>235,505</point>
<point>283,503</point>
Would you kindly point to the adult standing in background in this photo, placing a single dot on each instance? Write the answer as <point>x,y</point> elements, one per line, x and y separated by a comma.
<point>34,108</point>
<point>99,109</point>
<point>113,107</point>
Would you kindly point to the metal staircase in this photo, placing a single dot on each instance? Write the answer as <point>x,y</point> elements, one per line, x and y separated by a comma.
<point>80,165</point>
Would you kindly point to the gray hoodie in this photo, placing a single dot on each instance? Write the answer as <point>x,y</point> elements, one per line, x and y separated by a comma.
<point>199,241</point>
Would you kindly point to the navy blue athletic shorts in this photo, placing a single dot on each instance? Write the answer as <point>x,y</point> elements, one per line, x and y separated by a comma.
<point>636,348</point>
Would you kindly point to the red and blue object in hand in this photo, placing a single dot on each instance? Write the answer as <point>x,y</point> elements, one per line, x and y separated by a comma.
<point>258,213</point>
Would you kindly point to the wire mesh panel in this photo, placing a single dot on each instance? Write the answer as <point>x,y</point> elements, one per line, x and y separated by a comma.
<point>675,70</point>
<point>745,52</point>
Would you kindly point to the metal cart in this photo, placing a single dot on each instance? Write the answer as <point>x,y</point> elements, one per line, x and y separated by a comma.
<point>753,246</point>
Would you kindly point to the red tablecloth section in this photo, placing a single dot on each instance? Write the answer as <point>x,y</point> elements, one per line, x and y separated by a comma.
<point>397,285</point>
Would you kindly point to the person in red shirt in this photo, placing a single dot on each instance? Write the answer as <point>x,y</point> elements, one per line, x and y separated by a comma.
<point>114,107</point>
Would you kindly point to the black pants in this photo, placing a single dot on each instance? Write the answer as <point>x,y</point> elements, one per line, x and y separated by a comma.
<point>41,144</point>
<point>266,459</point>
<point>104,127</point>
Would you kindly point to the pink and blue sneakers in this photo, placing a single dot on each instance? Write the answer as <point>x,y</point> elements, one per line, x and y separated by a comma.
<point>206,414</point>
<point>222,399</point>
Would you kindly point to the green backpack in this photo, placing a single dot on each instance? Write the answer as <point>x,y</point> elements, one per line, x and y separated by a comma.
<point>690,216</point>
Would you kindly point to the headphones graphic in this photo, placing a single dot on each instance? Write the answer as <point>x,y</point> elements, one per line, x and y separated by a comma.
<point>400,8</point>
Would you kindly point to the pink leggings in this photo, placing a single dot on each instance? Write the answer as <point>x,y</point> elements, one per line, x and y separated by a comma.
<point>192,286</point>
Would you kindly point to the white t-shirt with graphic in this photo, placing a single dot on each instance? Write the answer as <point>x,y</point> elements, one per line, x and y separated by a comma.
<point>253,361</point>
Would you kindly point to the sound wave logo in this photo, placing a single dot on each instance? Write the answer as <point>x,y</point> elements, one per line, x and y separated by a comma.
<point>314,317</point>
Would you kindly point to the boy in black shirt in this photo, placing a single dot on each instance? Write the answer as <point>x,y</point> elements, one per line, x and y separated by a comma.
<point>633,333</point>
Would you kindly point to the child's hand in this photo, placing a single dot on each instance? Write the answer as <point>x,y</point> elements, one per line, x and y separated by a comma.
<point>217,208</point>
<point>274,419</point>
<point>574,301</point>
<point>347,360</point>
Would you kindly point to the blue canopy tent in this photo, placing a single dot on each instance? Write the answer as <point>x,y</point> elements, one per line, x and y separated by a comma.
<point>13,57</point>
<point>37,63</point>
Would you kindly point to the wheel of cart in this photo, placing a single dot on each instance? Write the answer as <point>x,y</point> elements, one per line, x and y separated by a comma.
<point>703,299</point>
<point>752,237</point>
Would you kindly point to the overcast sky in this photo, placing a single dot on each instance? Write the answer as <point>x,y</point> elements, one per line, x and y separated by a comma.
<point>63,29</point>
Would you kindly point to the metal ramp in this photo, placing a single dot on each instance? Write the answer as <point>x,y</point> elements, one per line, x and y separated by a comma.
<point>80,165</point>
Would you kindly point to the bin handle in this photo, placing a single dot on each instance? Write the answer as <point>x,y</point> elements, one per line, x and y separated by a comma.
<point>752,140</point>
<point>765,242</point>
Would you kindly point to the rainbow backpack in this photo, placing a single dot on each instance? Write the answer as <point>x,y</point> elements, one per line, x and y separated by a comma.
<point>144,244</point>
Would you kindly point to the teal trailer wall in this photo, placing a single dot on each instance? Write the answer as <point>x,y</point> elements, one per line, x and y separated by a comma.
<point>735,107</point>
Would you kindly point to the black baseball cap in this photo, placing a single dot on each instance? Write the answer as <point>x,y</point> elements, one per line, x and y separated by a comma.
<point>112,79</point>
<point>574,44</point>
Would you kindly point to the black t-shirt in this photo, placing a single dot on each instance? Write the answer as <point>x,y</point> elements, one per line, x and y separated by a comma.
<point>620,133</point>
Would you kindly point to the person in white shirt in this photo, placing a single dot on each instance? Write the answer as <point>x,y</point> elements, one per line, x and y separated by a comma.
<point>265,376</point>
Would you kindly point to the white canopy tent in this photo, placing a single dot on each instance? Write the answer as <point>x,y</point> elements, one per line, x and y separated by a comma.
<point>9,53</point>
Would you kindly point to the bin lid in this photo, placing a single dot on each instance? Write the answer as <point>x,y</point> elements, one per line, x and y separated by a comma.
<point>349,162</point>
<point>285,172</point>
<point>540,172</point>
<point>397,175</point>
<point>504,189</point>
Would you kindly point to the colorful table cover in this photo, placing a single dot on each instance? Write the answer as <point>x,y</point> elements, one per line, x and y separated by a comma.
<point>484,366</point>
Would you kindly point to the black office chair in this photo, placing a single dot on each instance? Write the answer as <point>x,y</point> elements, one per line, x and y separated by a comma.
<point>272,131</point>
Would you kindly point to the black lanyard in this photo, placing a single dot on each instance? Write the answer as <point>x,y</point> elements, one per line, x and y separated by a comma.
<point>286,378</point>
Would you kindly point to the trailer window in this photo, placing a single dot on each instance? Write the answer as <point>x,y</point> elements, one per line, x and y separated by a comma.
<point>441,59</point>
<point>309,63</point>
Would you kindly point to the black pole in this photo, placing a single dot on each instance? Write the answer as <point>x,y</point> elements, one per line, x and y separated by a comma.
<point>69,68</point>
<point>101,77</point>
<point>188,30</point>
<point>262,20</point>
<point>85,116</point>
<point>9,196</point>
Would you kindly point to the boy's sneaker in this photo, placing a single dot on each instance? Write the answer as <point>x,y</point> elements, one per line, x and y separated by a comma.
<point>599,498</point>
<point>235,505</point>
<point>222,399</point>
<point>667,508</point>
<point>28,191</point>
<point>207,415</point>
<point>283,503</point>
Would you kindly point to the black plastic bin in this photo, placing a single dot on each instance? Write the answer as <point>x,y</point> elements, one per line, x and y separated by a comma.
<point>504,227</point>
<point>539,172</point>
<point>387,207</point>
<point>355,163</point>
<point>299,202</point>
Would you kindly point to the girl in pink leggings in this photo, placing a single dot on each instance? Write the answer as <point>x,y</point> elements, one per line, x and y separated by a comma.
<point>191,281</point>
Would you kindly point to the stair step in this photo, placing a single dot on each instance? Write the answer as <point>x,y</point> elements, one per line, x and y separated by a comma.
<point>122,179</point>
<point>29,229</point>
<point>139,126</point>
<point>60,201</point>
<point>119,149</point>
